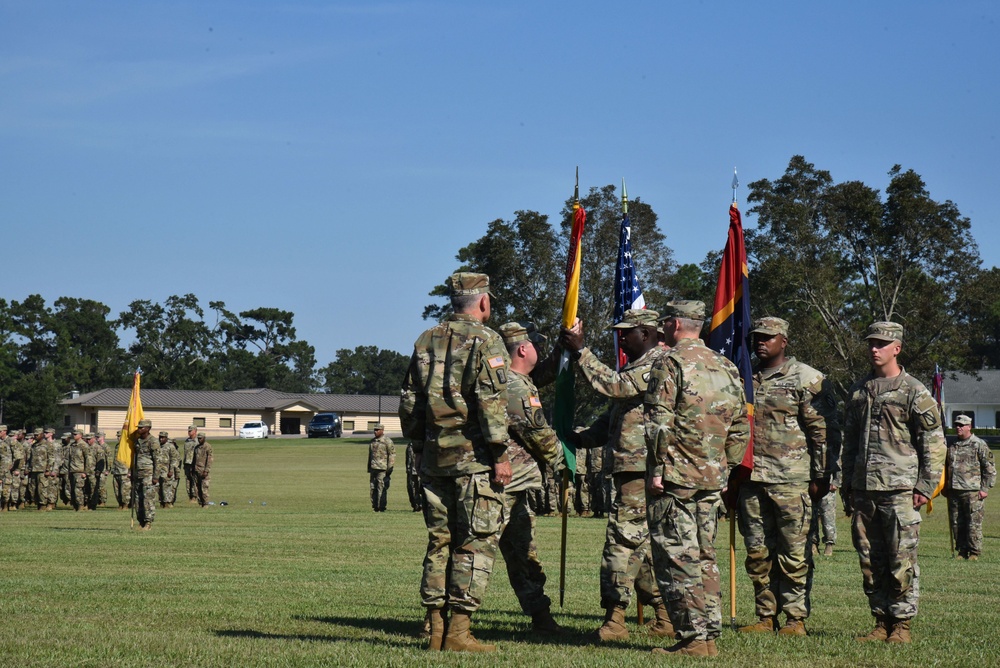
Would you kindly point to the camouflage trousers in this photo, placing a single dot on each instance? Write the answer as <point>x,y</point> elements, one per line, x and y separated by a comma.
<point>517,544</point>
<point>683,524</point>
<point>38,489</point>
<point>145,498</point>
<point>414,491</point>
<point>167,489</point>
<point>965,512</point>
<point>189,482</point>
<point>203,485</point>
<point>99,490</point>
<point>6,485</point>
<point>597,483</point>
<point>122,486</point>
<point>12,490</point>
<point>886,532</point>
<point>774,520</point>
<point>825,514</point>
<point>626,546</point>
<point>77,484</point>
<point>65,489</point>
<point>581,498</point>
<point>378,482</point>
<point>464,515</point>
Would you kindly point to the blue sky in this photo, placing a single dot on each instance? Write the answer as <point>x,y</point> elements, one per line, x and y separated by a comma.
<point>330,158</point>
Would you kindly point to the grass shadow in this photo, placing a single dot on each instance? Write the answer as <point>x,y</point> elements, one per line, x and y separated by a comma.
<point>311,637</point>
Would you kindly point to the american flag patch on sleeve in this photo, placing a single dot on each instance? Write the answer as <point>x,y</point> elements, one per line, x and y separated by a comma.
<point>495,362</point>
<point>535,401</point>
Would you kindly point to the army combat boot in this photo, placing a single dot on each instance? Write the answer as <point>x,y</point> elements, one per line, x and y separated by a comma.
<point>614,625</point>
<point>687,647</point>
<point>764,625</point>
<point>435,631</point>
<point>459,639</point>
<point>900,632</point>
<point>661,626</point>
<point>880,632</point>
<point>425,626</point>
<point>542,622</point>
<point>793,627</point>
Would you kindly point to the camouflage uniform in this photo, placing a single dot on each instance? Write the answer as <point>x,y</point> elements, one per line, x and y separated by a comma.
<point>532,439</point>
<point>969,471</point>
<point>413,489</point>
<point>65,486</point>
<point>825,512</point>
<point>192,489</point>
<point>893,446</point>
<point>121,480</point>
<point>202,468</point>
<point>454,408</point>
<point>18,471</point>
<point>775,509</point>
<point>381,460</point>
<point>626,543</point>
<point>78,462</point>
<point>6,461</point>
<point>52,474</point>
<point>696,430</point>
<point>175,472</point>
<point>102,467</point>
<point>144,487</point>
<point>597,481</point>
<point>38,489</point>
<point>166,465</point>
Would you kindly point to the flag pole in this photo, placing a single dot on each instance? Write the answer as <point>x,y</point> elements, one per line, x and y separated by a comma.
<point>732,511</point>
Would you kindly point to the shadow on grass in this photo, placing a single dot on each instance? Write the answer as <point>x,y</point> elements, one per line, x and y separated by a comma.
<point>261,635</point>
<point>113,530</point>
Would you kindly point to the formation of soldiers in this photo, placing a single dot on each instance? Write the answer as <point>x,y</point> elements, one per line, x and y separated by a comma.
<point>40,472</point>
<point>670,445</point>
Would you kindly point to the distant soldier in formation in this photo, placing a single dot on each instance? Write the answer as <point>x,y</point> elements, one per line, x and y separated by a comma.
<point>65,486</point>
<point>202,467</point>
<point>121,479</point>
<point>144,488</point>
<point>79,462</point>
<point>162,469</point>
<point>697,432</point>
<point>190,443</point>
<point>969,476</point>
<point>626,544</point>
<point>381,461</point>
<point>790,432</point>
<point>597,481</point>
<point>52,469</point>
<point>413,490</point>
<point>581,485</point>
<point>894,451</point>
<point>19,470</point>
<point>38,488</point>
<point>175,462</point>
<point>6,464</point>
<point>103,457</point>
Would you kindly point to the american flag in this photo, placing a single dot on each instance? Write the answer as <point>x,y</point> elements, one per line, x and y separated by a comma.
<point>628,292</point>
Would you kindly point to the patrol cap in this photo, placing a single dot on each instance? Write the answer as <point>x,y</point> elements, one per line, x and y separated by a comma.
<point>38,431</point>
<point>119,434</point>
<point>468,283</point>
<point>66,434</point>
<point>691,309</point>
<point>634,317</point>
<point>963,420</point>
<point>379,427</point>
<point>50,430</point>
<point>885,331</point>
<point>164,434</point>
<point>201,437</point>
<point>145,423</point>
<point>3,427</point>
<point>89,435</point>
<point>78,431</point>
<point>101,433</point>
<point>770,326</point>
<point>513,332</point>
<point>192,428</point>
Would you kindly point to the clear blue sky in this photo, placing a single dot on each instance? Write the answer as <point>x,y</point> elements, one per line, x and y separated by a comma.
<point>330,158</point>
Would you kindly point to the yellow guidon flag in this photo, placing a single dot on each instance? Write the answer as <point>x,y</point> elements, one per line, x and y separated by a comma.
<point>126,444</point>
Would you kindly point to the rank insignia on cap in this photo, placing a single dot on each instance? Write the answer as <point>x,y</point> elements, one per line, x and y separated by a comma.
<point>495,362</point>
<point>534,401</point>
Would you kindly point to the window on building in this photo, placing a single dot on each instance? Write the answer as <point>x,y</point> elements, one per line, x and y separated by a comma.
<point>971,414</point>
<point>371,425</point>
<point>348,425</point>
<point>66,421</point>
<point>226,423</point>
<point>93,419</point>
<point>198,422</point>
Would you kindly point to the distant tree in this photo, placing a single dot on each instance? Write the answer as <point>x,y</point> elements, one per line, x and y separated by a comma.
<point>979,300</point>
<point>87,352</point>
<point>364,370</point>
<point>31,399</point>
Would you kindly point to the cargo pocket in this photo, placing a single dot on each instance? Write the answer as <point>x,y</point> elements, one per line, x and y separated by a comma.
<point>483,507</point>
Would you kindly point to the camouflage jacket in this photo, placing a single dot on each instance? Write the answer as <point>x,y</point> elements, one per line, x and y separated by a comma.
<point>622,425</point>
<point>970,466</point>
<point>454,398</point>
<point>189,445</point>
<point>892,436</point>
<point>175,458</point>
<point>695,417</point>
<point>78,459</point>
<point>55,457</point>
<point>533,438</point>
<point>40,457</point>
<point>117,467</point>
<point>162,459</point>
<point>6,457</point>
<point>64,461</point>
<point>203,459</point>
<point>791,405</point>
<point>102,458</point>
<point>146,450</point>
<point>381,454</point>
<point>18,456</point>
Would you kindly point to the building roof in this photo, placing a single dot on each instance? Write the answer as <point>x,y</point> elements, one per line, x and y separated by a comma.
<point>257,399</point>
<point>982,387</point>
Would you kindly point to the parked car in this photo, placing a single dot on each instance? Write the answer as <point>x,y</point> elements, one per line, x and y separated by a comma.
<point>326,425</point>
<point>254,430</point>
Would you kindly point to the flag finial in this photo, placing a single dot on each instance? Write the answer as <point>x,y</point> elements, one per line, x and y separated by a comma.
<point>624,198</point>
<point>736,184</point>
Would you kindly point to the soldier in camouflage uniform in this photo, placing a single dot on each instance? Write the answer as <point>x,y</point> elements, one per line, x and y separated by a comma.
<point>6,462</point>
<point>65,486</point>
<point>697,432</point>
<point>121,479</point>
<point>791,404</point>
<point>413,489</point>
<point>596,481</point>
<point>52,473</point>
<point>454,408</point>
<point>825,510</point>
<point>19,453</point>
<point>969,476</point>
<point>202,467</point>
<point>78,463</point>
<point>626,544</point>
<point>102,468</point>
<point>161,468</point>
<point>381,461</point>
<point>894,451</point>
<point>533,440</point>
<point>147,448</point>
<point>174,476</point>
<point>38,489</point>
<point>190,443</point>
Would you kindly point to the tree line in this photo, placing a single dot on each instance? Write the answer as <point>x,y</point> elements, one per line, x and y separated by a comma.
<point>48,351</point>
<point>831,258</point>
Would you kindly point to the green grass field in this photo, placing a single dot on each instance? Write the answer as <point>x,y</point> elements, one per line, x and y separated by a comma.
<point>314,577</point>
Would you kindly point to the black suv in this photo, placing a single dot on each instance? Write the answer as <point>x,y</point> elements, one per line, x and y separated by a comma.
<point>325,424</point>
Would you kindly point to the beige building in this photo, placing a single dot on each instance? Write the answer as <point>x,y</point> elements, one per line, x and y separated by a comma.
<point>221,414</point>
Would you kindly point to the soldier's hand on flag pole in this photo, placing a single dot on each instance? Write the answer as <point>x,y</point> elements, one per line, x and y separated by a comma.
<point>572,339</point>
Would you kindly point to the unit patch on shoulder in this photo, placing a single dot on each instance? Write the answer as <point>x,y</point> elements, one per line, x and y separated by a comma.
<point>495,362</point>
